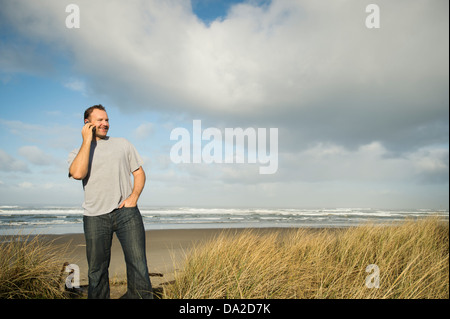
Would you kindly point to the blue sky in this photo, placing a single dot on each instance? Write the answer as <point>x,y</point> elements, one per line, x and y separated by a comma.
<point>210,10</point>
<point>362,114</point>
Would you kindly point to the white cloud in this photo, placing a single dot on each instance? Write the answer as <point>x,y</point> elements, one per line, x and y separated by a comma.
<point>20,128</point>
<point>371,163</point>
<point>10,164</point>
<point>35,155</point>
<point>352,105</point>
<point>144,131</point>
<point>285,55</point>
<point>431,164</point>
<point>309,67</point>
<point>22,58</point>
<point>76,85</point>
<point>53,135</point>
<point>26,185</point>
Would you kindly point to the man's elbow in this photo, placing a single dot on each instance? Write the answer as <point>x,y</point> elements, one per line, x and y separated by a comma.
<point>77,172</point>
<point>76,175</point>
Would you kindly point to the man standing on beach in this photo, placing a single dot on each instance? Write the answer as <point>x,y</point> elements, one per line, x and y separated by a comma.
<point>105,164</point>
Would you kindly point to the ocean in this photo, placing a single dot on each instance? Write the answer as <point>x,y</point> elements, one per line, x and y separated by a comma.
<point>66,220</point>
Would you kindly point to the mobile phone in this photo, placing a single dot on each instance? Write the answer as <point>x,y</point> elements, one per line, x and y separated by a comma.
<point>93,130</point>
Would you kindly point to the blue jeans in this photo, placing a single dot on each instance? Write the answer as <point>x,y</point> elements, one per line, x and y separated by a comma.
<point>127,223</point>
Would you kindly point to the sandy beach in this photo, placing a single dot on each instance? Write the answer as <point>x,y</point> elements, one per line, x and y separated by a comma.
<point>166,250</point>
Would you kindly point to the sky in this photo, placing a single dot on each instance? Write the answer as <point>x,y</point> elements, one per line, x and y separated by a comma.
<point>362,114</point>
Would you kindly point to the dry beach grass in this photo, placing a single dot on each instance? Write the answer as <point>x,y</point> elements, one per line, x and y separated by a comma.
<point>412,257</point>
<point>30,268</point>
<point>413,261</point>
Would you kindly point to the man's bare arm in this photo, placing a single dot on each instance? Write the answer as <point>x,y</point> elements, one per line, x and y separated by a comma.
<point>80,165</point>
<point>139,183</point>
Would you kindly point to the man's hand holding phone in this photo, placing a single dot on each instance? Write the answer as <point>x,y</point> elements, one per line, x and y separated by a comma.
<point>88,132</point>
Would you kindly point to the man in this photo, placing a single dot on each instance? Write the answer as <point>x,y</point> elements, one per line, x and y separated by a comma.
<point>105,164</point>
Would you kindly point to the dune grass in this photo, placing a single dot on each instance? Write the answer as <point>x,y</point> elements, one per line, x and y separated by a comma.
<point>30,268</point>
<point>412,258</point>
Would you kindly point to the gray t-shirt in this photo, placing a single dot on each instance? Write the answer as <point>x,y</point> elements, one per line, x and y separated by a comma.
<point>108,182</point>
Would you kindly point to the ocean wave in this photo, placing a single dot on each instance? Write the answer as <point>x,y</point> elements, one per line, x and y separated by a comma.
<point>42,212</point>
<point>40,223</point>
<point>56,218</point>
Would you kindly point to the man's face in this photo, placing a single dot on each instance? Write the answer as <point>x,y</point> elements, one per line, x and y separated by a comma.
<point>100,119</point>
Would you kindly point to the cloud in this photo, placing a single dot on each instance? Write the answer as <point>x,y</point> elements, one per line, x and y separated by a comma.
<point>35,155</point>
<point>431,165</point>
<point>23,58</point>
<point>52,135</point>
<point>311,67</point>
<point>76,85</point>
<point>327,163</point>
<point>10,164</point>
<point>144,131</point>
<point>359,111</point>
<point>370,164</point>
<point>25,185</point>
<point>21,128</point>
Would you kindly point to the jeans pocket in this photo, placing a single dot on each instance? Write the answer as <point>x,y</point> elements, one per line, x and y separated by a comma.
<point>130,208</point>
<point>131,211</point>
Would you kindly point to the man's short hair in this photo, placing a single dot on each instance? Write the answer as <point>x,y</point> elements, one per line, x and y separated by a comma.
<point>89,110</point>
